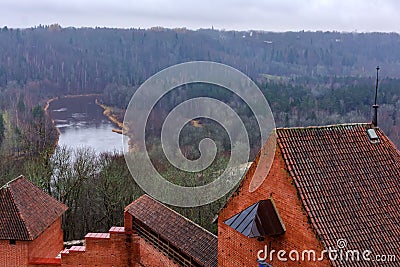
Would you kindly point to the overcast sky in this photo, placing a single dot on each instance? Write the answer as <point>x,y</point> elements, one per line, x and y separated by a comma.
<point>269,15</point>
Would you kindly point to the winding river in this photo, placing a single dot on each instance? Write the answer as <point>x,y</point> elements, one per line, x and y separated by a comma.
<point>81,123</point>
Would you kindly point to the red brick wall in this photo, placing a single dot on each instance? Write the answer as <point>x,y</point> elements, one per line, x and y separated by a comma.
<point>121,249</point>
<point>13,255</point>
<point>234,249</point>
<point>49,243</point>
<point>151,257</point>
<point>118,250</point>
<point>128,220</point>
<point>46,245</point>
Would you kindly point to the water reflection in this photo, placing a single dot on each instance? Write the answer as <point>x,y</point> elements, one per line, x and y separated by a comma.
<point>81,123</point>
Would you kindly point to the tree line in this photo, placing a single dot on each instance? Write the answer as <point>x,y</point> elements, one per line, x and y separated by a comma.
<point>83,60</point>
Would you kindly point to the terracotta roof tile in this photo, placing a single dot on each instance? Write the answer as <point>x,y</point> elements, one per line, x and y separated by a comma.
<point>26,211</point>
<point>193,240</point>
<point>349,186</point>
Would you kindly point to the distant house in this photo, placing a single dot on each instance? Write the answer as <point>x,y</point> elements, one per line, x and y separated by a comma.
<point>332,191</point>
<point>330,187</point>
<point>30,225</point>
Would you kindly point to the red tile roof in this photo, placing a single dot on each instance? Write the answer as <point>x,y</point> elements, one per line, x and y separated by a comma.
<point>349,186</point>
<point>193,240</point>
<point>26,211</point>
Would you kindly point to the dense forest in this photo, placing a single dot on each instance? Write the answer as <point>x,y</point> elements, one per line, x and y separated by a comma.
<point>309,78</point>
<point>75,60</point>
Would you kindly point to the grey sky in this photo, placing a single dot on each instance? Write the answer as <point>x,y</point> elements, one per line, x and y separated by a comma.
<point>270,15</point>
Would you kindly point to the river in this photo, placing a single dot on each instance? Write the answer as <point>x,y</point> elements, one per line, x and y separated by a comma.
<point>81,123</point>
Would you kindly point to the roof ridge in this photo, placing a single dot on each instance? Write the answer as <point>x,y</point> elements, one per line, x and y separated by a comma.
<point>7,185</point>
<point>205,230</point>
<point>14,202</point>
<point>326,126</point>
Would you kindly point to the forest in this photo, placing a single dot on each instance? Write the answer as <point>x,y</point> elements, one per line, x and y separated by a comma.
<point>309,78</point>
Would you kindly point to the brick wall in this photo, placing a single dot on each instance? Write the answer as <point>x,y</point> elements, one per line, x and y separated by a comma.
<point>115,249</point>
<point>46,245</point>
<point>237,250</point>
<point>49,243</point>
<point>151,257</point>
<point>13,255</point>
<point>119,249</point>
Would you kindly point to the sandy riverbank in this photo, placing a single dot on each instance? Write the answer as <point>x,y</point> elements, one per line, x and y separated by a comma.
<point>112,117</point>
<point>123,129</point>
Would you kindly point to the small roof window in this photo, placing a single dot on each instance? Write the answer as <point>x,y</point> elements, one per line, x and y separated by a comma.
<point>373,136</point>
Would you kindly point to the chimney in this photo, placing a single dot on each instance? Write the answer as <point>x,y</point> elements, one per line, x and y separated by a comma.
<point>376,106</point>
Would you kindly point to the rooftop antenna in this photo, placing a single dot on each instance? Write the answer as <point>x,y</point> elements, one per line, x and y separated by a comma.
<point>376,106</point>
